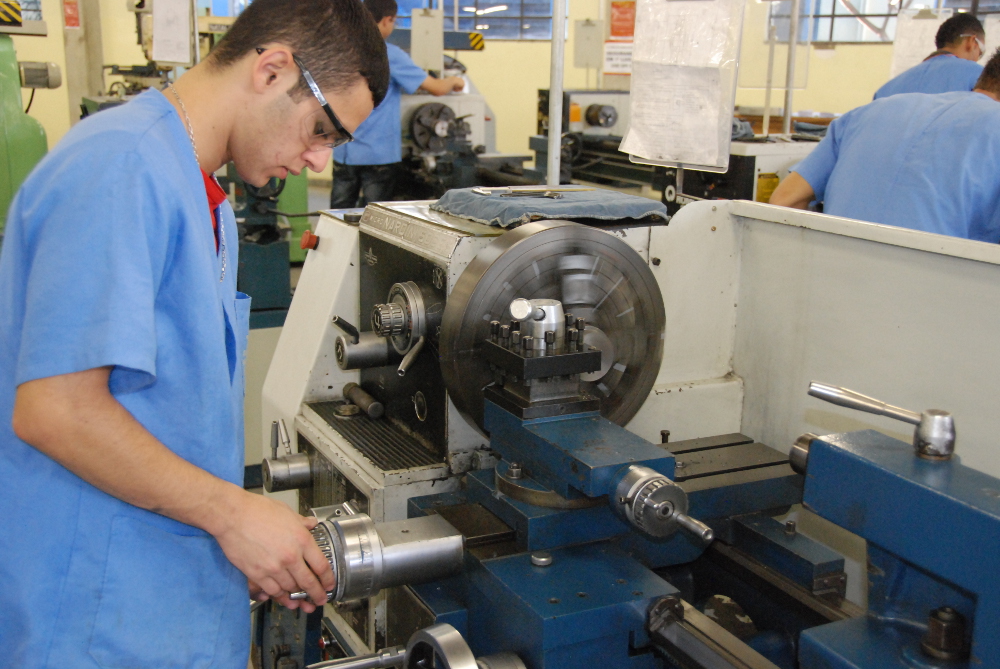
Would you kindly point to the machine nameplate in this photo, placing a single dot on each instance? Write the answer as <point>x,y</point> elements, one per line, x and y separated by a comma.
<point>437,241</point>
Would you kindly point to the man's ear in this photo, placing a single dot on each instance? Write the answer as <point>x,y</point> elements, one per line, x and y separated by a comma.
<point>273,68</point>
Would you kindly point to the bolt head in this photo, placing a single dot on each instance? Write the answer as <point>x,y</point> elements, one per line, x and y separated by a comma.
<point>541,558</point>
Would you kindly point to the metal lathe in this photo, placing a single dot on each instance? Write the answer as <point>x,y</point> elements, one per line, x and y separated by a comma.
<point>642,446</point>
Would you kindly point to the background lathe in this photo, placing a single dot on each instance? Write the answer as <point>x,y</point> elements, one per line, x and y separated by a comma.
<point>750,303</point>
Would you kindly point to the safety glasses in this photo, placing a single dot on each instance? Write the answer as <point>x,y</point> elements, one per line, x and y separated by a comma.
<point>322,129</point>
<point>982,45</point>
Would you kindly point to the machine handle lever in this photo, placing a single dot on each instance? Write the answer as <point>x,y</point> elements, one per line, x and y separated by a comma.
<point>283,435</point>
<point>933,438</point>
<point>348,329</point>
<point>410,357</point>
<point>695,527</point>
<point>384,659</point>
<point>853,400</point>
<point>274,440</point>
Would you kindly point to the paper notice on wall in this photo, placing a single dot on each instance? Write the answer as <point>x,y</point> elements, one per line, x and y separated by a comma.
<point>172,31</point>
<point>71,14</point>
<point>617,57</point>
<point>622,19</point>
<point>915,32</point>
<point>675,114</point>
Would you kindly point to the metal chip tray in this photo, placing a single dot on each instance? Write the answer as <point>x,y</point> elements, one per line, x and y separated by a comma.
<point>379,440</point>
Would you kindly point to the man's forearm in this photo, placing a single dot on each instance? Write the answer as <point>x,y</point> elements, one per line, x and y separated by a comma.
<point>442,86</point>
<point>794,192</point>
<point>76,421</point>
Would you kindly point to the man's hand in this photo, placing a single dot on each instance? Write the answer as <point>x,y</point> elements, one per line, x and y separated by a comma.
<point>75,420</point>
<point>272,545</point>
<point>443,86</point>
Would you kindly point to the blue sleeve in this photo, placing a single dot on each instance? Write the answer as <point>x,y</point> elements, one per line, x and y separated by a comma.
<point>94,249</point>
<point>404,71</point>
<point>817,167</point>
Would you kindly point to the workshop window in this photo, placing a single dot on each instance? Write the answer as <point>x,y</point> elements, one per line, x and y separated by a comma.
<point>31,10</point>
<point>495,19</point>
<point>844,21</point>
<point>981,8</point>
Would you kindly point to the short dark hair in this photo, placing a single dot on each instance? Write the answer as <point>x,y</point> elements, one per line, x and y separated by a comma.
<point>382,8</point>
<point>989,80</point>
<point>336,39</point>
<point>952,30</point>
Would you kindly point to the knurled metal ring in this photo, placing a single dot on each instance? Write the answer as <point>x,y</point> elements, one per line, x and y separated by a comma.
<point>640,510</point>
<point>388,320</point>
<point>325,543</point>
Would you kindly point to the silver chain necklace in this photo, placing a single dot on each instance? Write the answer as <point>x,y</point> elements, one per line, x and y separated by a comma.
<point>187,125</point>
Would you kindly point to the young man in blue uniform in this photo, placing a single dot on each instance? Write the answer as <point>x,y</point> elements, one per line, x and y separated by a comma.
<point>126,538</point>
<point>911,160</point>
<point>960,44</point>
<point>365,170</point>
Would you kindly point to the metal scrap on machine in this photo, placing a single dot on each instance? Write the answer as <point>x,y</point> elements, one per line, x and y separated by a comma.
<point>539,437</point>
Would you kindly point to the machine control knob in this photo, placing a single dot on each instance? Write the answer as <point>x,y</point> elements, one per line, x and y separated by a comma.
<point>656,505</point>
<point>388,320</point>
<point>290,472</point>
<point>309,241</point>
<point>602,116</point>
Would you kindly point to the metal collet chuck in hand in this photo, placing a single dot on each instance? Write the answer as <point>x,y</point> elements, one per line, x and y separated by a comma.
<point>367,556</point>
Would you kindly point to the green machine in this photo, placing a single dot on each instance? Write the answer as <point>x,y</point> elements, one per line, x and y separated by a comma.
<point>265,245</point>
<point>22,138</point>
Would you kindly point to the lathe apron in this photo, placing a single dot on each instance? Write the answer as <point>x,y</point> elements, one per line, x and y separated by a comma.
<point>109,260</point>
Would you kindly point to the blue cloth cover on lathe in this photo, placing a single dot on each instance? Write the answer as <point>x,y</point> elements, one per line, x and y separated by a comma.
<point>506,212</point>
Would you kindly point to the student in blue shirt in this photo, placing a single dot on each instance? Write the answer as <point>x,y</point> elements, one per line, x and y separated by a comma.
<point>961,42</point>
<point>365,170</point>
<point>925,162</point>
<point>126,537</point>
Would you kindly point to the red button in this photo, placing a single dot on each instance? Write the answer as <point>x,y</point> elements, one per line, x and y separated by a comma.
<point>309,240</point>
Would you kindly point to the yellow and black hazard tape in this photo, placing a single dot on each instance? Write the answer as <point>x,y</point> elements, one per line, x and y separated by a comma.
<point>10,13</point>
<point>476,41</point>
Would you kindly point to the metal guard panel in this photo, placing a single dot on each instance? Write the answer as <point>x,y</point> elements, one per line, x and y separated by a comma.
<point>895,497</point>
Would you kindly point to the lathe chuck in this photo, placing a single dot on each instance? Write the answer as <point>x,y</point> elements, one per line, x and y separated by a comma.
<point>595,275</point>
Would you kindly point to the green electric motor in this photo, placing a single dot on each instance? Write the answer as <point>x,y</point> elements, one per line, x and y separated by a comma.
<point>22,138</point>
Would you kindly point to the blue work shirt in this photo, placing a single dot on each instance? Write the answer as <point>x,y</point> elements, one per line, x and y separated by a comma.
<point>378,140</point>
<point>939,74</point>
<point>109,260</point>
<point>925,162</point>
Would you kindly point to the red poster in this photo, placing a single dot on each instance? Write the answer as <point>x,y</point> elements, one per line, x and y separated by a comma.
<point>71,13</point>
<point>622,19</point>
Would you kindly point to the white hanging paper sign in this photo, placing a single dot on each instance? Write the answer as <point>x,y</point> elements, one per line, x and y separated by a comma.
<point>172,31</point>
<point>915,32</point>
<point>675,114</point>
<point>684,82</point>
<point>618,58</point>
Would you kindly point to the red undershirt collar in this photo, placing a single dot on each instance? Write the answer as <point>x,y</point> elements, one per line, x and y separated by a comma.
<point>216,196</point>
